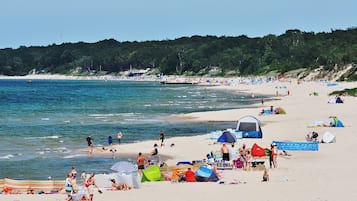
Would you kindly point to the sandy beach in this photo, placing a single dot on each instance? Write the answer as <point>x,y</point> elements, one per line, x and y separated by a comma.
<point>324,175</point>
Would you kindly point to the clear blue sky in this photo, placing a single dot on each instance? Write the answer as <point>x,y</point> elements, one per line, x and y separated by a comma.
<point>45,22</point>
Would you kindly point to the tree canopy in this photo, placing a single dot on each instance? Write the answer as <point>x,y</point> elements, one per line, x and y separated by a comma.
<point>196,55</point>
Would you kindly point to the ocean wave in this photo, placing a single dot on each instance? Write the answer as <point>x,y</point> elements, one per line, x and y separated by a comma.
<point>130,119</point>
<point>101,115</point>
<point>61,149</point>
<point>43,137</point>
<point>45,119</point>
<point>74,156</point>
<point>129,114</point>
<point>7,156</point>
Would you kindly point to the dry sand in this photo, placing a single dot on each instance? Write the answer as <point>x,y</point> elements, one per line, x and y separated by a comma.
<point>328,174</point>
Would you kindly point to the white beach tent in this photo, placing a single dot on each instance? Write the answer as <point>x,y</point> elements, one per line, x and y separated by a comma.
<point>249,126</point>
<point>328,138</point>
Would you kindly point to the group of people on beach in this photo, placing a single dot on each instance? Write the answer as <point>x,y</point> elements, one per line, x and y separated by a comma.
<point>229,155</point>
<point>82,190</point>
<point>90,144</point>
<point>142,162</point>
<point>85,188</point>
<point>244,159</point>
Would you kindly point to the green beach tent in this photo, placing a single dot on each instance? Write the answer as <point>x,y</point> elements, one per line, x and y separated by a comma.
<point>152,173</point>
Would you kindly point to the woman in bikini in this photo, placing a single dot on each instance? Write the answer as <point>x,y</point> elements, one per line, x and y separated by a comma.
<point>118,187</point>
<point>90,184</point>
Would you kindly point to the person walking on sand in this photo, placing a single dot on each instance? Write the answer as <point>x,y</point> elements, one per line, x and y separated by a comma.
<point>90,144</point>
<point>162,138</point>
<point>140,161</point>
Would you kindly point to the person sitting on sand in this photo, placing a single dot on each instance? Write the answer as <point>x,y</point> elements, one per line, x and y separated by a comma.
<point>210,159</point>
<point>119,187</point>
<point>190,175</point>
<point>265,175</point>
<point>163,165</point>
<point>154,152</point>
<point>308,137</point>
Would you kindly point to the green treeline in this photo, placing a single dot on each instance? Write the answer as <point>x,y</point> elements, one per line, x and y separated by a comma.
<point>195,55</point>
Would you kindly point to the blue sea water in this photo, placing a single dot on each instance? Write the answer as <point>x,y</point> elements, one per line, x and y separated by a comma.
<point>43,122</point>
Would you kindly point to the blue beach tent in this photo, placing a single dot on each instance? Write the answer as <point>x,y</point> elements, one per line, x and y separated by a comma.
<point>227,137</point>
<point>249,126</point>
<point>205,174</point>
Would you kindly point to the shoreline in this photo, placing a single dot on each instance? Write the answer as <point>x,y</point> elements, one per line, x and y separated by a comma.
<point>304,175</point>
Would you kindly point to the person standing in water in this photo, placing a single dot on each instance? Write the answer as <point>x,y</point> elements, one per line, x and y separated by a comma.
<point>119,136</point>
<point>110,140</point>
<point>90,144</point>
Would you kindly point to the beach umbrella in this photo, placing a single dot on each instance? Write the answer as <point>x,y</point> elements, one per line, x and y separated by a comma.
<point>124,166</point>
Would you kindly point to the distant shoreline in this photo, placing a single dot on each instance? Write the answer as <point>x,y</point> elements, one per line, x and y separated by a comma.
<point>72,77</point>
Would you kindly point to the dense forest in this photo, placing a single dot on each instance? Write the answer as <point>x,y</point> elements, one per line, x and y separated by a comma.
<point>196,55</point>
